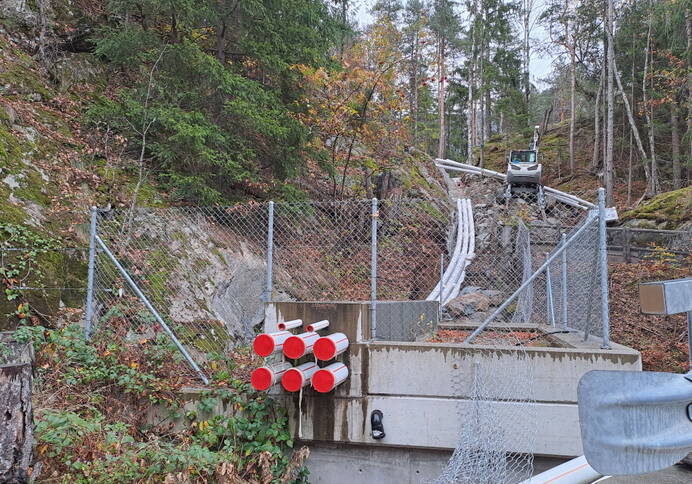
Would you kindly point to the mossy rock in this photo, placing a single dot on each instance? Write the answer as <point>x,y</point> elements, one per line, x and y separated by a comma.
<point>668,210</point>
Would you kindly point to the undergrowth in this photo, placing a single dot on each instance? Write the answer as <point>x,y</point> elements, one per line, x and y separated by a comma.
<point>662,340</point>
<point>112,410</point>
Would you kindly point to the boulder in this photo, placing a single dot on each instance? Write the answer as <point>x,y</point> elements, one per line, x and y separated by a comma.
<point>496,297</point>
<point>468,304</point>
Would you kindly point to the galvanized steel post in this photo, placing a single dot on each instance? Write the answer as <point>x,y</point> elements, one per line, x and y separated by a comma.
<point>89,310</point>
<point>269,289</point>
<point>549,294</point>
<point>603,252</point>
<point>565,299</point>
<point>442,274</point>
<point>373,269</point>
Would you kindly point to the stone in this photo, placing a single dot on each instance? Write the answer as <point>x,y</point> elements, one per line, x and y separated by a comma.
<point>7,114</point>
<point>496,297</point>
<point>469,290</point>
<point>468,304</point>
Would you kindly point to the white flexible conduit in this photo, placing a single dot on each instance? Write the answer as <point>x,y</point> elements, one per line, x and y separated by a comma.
<point>563,197</point>
<point>575,471</point>
<point>454,274</point>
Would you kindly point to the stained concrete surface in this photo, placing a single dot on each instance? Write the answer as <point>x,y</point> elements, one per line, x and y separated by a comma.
<point>677,474</point>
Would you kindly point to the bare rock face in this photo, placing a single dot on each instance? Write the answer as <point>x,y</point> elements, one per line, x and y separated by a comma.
<point>468,304</point>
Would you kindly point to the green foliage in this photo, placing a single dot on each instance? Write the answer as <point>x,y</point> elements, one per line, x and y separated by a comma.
<point>86,435</point>
<point>211,124</point>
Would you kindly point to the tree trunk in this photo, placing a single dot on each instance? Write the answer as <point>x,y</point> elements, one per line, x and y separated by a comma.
<point>689,92</point>
<point>572,103</point>
<point>653,180</point>
<point>441,97</point>
<point>526,58</point>
<point>596,124</point>
<point>675,142</point>
<point>608,162</point>
<point>221,42</point>
<point>630,117</point>
<point>16,437</point>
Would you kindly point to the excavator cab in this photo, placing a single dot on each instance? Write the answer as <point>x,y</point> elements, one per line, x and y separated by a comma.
<point>524,171</point>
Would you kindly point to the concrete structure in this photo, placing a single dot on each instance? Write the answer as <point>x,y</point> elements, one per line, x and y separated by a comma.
<point>411,383</point>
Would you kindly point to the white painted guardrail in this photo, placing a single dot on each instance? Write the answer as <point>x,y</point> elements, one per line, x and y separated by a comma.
<point>453,276</point>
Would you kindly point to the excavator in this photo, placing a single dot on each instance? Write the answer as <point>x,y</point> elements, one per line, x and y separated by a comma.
<point>524,171</point>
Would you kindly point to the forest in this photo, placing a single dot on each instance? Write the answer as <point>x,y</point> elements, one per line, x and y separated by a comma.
<point>221,100</point>
<point>217,107</point>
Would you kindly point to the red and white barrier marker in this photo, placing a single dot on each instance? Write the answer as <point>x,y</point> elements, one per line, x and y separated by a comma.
<point>290,324</point>
<point>327,347</point>
<point>297,377</point>
<point>267,343</point>
<point>300,344</point>
<point>266,376</point>
<point>318,325</point>
<point>327,378</point>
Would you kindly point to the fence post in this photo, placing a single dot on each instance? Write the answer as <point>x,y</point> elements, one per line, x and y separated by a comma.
<point>270,254</point>
<point>89,310</point>
<point>626,244</point>
<point>373,269</point>
<point>549,294</point>
<point>442,273</point>
<point>565,299</point>
<point>603,248</point>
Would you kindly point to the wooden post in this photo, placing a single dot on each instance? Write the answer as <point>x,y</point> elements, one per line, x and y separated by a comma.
<point>15,408</point>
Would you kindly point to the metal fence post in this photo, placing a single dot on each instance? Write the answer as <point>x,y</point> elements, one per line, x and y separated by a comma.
<point>270,254</point>
<point>603,249</point>
<point>565,299</point>
<point>442,273</point>
<point>549,294</point>
<point>373,269</point>
<point>89,310</point>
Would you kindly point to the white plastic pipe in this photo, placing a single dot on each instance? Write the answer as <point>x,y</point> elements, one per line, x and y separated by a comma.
<point>297,377</point>
<point>290,324</point>
<point>266,344</point>
<point>318,325</point>
<point>329,377</point>
<point>300,344</point>
<point>265,377</point>
<point>575,471</point>
<point>328,347</point>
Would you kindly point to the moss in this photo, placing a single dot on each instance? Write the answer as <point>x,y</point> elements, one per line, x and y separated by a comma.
<point>671,209</point>
<point>10,148</point>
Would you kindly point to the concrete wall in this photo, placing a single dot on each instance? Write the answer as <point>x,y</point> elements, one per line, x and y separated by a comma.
<point>425,389</point>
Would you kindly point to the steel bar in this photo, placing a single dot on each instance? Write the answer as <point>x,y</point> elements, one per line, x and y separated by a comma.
<point>563,286</point>
<point>549,295</point>
<point>373,269</point>
<point>527,282</point>
<point>270,255</point>
<point>603,249</point>
<point>89,310</point>
<point>151,309</point>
